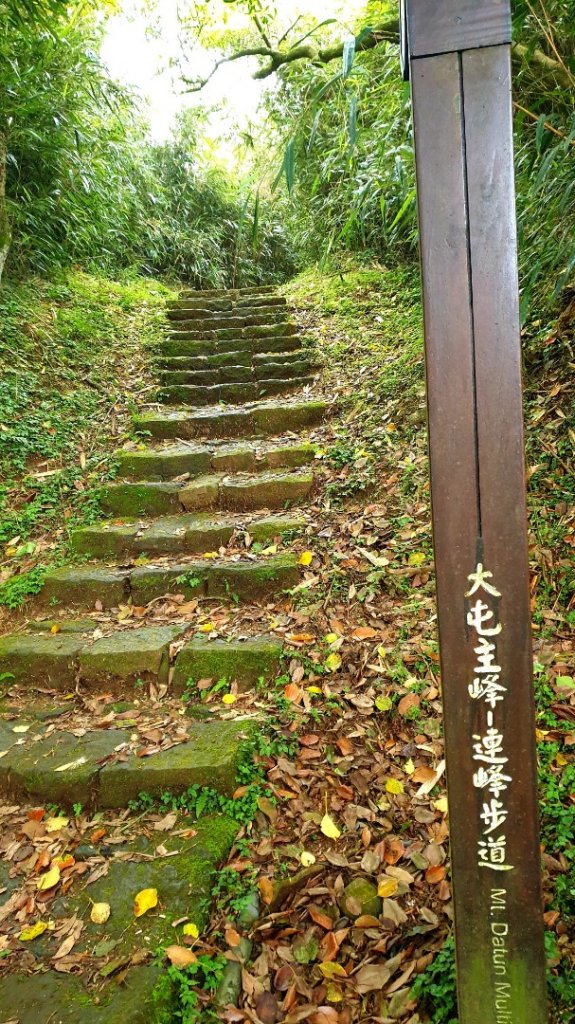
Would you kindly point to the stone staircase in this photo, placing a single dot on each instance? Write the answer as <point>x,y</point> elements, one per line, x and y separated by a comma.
<point>226,453</point>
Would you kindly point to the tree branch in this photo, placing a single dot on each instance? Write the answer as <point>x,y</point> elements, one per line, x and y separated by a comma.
<point>274,59</point>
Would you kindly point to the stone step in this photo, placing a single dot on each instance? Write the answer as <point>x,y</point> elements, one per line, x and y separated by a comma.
<point>225,304</point>
<point>197,395</point>
<point>261,289</point>
<point>246,314</point>
<point>250,347</point>
<point>257,420</point>
<point>184,879</point>
<point>224,361</point>
<point>232,334</point>
<point>182,534</point>
<point>235,493</point>
<point>91,586</point>
<point>126,659</point>
<point>29,770</point>
<point>279,369</point>
<point>174,460</point>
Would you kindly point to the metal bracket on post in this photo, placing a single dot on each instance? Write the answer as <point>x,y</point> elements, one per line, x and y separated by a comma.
<point>458,53</point>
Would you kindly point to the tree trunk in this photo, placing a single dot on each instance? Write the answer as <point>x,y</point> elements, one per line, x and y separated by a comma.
<point>5,234</point>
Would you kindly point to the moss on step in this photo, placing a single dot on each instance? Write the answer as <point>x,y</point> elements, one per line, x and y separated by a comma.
<point>85,587</point>
<point>47,660</point>
<point>243,661</point>
<point>210,757</point>
<point>163,465</point>
<point>183,882</point>
<point>130,500</point>
<point>126,657</point>
<point>34,769</point>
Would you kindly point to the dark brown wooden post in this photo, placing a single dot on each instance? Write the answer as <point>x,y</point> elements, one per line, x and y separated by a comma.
<point>458,57</point>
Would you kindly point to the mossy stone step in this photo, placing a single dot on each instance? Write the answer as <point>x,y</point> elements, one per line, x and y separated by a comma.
<point>250,348</point>
<point>89,586</point>
<point>243,661</point>
<point>196,395</point>
<point>50,660</point>
<point>224,362</point>
<point>236,316</point>
<point>184,881</point>
<point>246,493</point>
<point>252,289</point>
<point>60,661</point>
<point>235,337</point>
<point>175,460</point>
<point>229,493</point>
<point>187,533</point>
<point>263,418</point>
<point>35,768</point>
<point>240,373</point>
<point>224,304</point>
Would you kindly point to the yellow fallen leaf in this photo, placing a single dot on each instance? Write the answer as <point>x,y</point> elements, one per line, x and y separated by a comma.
<point>307,859</point>
<point>329,827</point>
<point>333,662</point>
<point>394,786</point>
<point>306,558</point>
<point>206,627</point>
<point>55,628</point>
<point>49,879</point>
<point>441,804</point>
<point>179,956</point>
<point>313,689</point>
<point>271,550</point>
<point>416,558</point>
<point>33,931</point>
<point>145,900</point>
<point>330,969</point>
<point>210,554</point>
<point>382,652</point>
<point>56,824</point>
<point>387,887</point>
<point>331,638</point>
<point>20,728</point>
<point>100,913</point>
<point>333,993</point>
<point>409,767</point>
<point>191,929</point>
<point>229,698</point>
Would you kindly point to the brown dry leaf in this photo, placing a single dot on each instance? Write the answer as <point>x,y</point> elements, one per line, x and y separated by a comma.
<point>266,888</point>
<point>267,1008</point>
<point>435,874</point>
<point>364,633</point>
<point>411,700</point>
<point>371,978</point>
<point>233,938</point>
<point>180,956</point>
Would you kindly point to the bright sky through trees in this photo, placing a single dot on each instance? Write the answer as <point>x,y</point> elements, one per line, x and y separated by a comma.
<point>142,59</point>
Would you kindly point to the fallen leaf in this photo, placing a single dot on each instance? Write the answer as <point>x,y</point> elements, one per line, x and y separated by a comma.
<point>191,929</point>
<point>307,859</point>
<point>56,824</point>
<point>180,956</point>
<point>28,934</point>
<point>330,970</point>
<point>145,900</point>
<point>306,558</point>
<point>329,827</point>
<point>333,662</point>
<point>100,913</point>
<point>387,887</point>
<point>49,879</point>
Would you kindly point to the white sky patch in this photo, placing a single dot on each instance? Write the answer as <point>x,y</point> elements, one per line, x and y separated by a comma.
<point>142,61</point>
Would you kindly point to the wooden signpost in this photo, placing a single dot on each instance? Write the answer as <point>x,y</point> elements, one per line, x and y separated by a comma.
<point>457,54</point>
